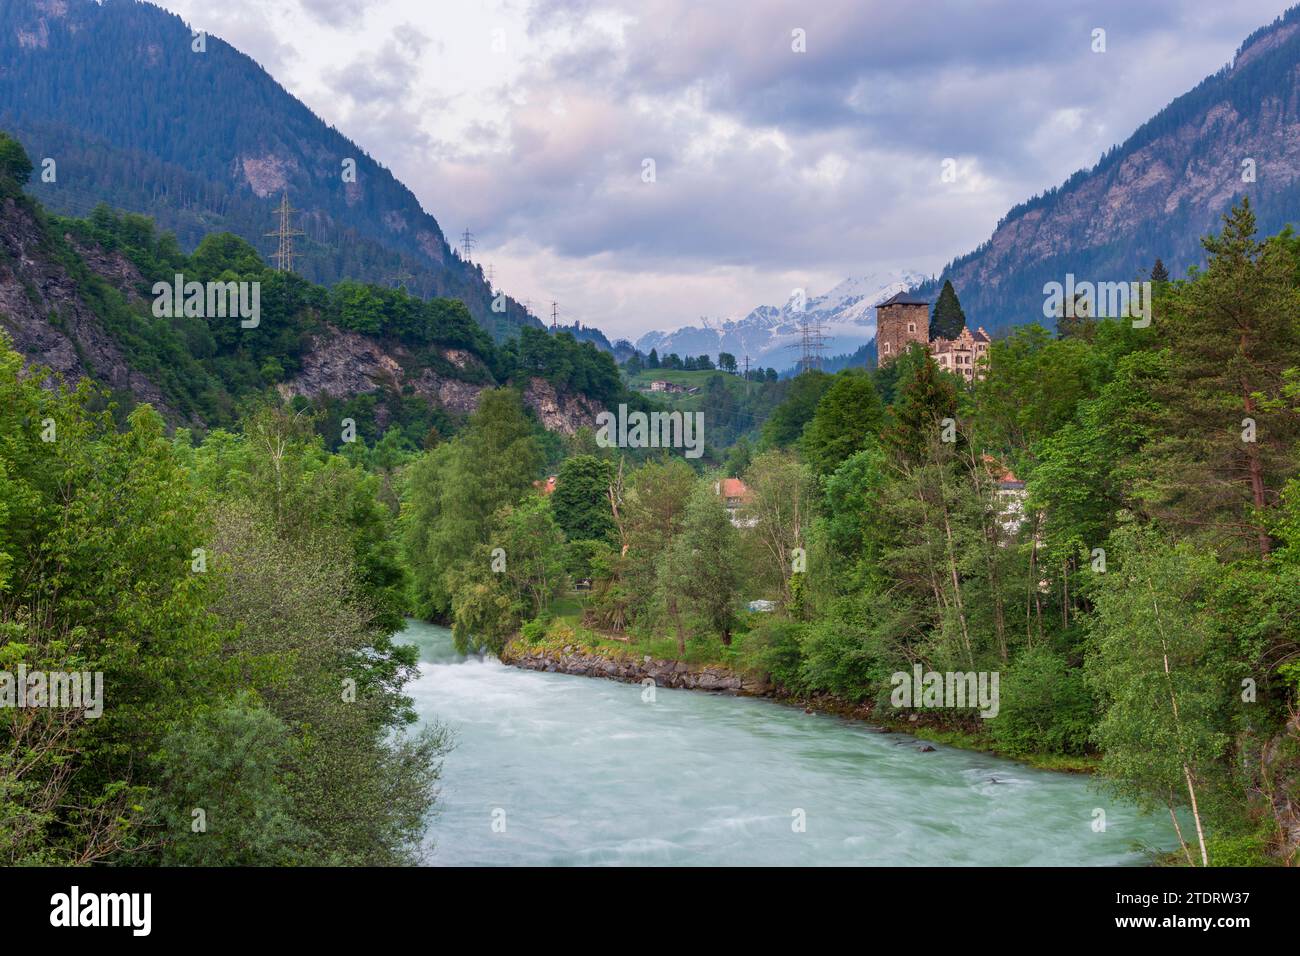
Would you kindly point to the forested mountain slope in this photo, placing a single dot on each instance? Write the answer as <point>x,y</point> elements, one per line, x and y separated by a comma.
<point>1236,134</point>
<point>134,117</point>
<point>77,295</point>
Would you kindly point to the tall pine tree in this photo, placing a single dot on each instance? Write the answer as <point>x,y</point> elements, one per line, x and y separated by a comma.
<point>948,319</point>
<point>1225,431</point>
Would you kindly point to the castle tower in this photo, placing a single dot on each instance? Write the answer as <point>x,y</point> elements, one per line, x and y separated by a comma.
<point>900,320</point>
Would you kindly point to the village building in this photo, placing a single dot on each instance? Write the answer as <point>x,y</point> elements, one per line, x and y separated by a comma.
<point>735,495</point>
<point>1011,495</point>
<point>905,318</point>
<point>962,355</point>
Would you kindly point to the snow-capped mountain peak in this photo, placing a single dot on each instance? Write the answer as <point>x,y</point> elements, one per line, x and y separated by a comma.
<point>846,312</point>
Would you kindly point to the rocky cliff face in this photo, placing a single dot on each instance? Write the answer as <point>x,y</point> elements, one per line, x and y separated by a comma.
<point>559,412</point>
<point>341,364</point>
<point>43,312</point>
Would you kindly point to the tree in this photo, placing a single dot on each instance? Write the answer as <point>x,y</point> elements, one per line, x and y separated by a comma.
<point>1158,272</point>
<point>581,500</point>
<point>512,577</point>
<point>948,319</point>
<point>98,533</point>
<point>454,490</point>
<point>1161,670</point>
<point>702,563</point>
<point>221,252</point>
<point>848,416</point>
<point>786,423</point>
<point>727,362</point>
<point>738,458</point>
<point>652,360</point>
<point>229,764</point>
<point>654,508</point>
<point>925,400</point>
<point>13,160</point>
<point>1225,433</point>
<point>782,507</point>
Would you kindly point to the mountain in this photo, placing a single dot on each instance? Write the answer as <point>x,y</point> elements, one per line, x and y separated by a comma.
<point>207,141</point>
<point>769,334</point>
<point>1156,194</point>
<point>76,296</point>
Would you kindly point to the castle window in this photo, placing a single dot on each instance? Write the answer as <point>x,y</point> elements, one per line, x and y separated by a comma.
<point>886,346</point>
<point>911,326</point>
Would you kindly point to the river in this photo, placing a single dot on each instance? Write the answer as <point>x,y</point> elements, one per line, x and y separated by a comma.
<point>550,769</point>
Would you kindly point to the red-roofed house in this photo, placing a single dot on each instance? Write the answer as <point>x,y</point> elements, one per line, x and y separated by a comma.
<point>735,494</point>
<point>1011,494</point>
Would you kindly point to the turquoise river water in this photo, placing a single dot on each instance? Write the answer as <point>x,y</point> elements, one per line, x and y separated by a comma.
<point>551,769</point>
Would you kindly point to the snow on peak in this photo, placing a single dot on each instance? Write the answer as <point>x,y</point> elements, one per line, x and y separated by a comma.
<point>846,312</point>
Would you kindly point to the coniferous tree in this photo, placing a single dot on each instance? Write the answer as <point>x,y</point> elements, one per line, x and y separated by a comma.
<point>948,319</point>
<point>847,417</point>
<point>1158,272</point>
<point>1225,431</point>
<point>925,399</point>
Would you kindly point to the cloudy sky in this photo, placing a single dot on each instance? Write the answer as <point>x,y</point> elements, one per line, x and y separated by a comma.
<point>531,123</point>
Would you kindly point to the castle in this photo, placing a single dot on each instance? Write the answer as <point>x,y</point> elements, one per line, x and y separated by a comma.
<point>904,318</point>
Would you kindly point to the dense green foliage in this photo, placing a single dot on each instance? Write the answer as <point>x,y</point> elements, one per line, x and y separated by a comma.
<point>238,598</point>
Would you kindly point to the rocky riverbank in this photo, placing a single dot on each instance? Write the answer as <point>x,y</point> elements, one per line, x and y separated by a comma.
<point>573,659</point>
<point>629,668</point>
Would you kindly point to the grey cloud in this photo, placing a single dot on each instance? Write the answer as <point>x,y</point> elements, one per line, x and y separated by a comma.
<point>336,13</point>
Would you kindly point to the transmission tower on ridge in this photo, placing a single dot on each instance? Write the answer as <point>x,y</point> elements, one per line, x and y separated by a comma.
<point>811,345</point>
<point>555,316</point>
<point>400,279</point>
<point>466,244</point>
<point>284,254</point>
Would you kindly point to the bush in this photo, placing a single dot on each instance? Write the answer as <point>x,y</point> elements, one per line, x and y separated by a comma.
<point>534,630</point>
<point>1045,706</point>
<point>837,658</point>
<point>1250,849</point>
<point>772,647</point>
